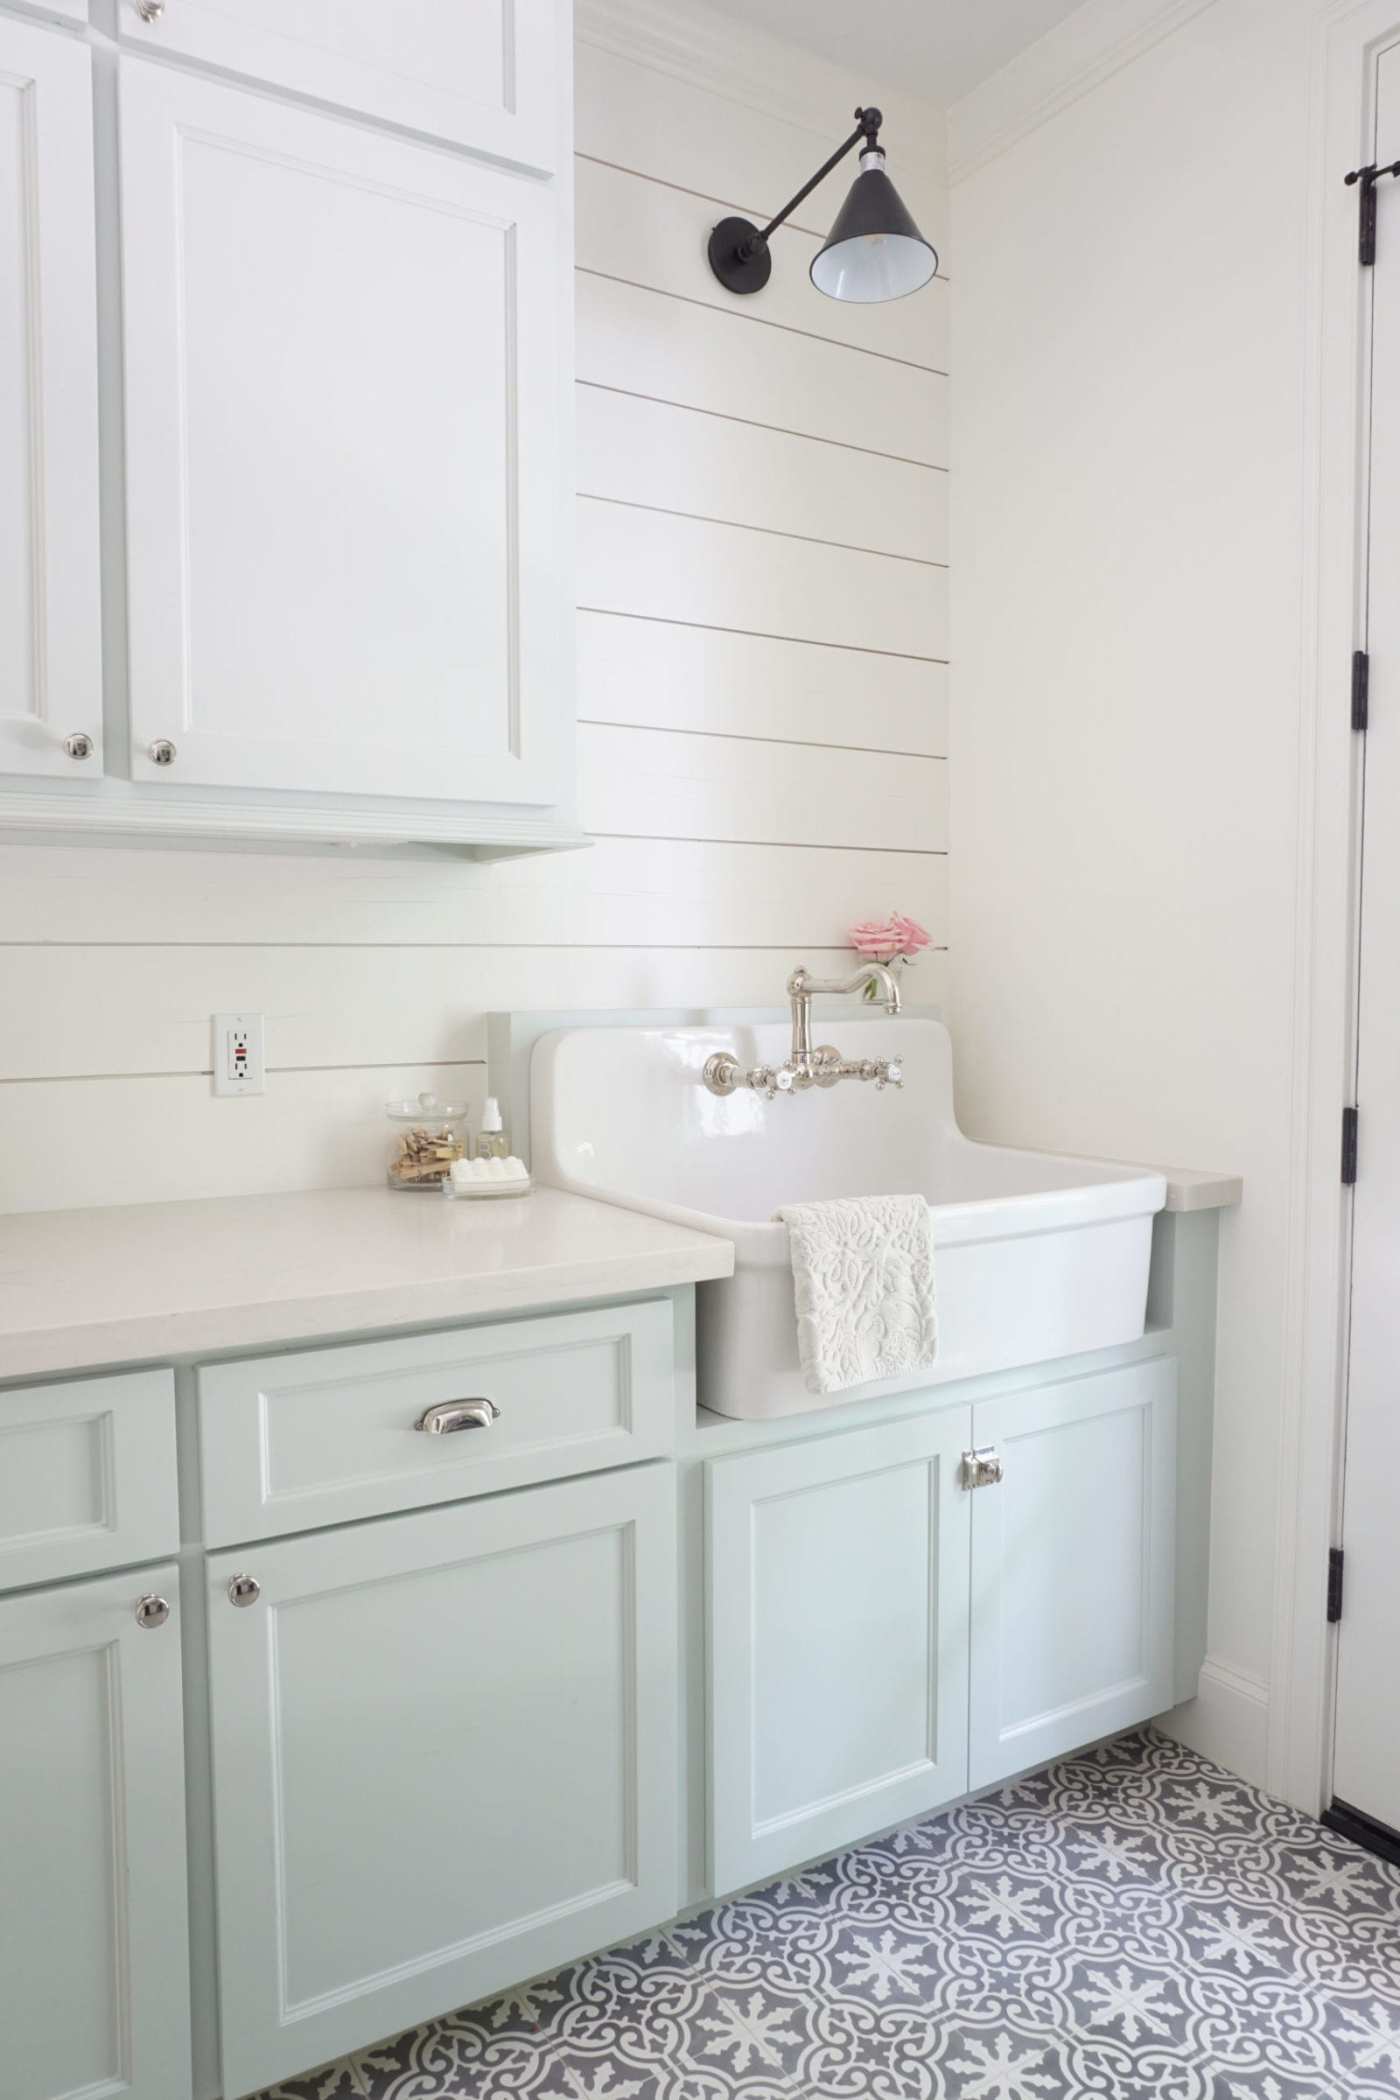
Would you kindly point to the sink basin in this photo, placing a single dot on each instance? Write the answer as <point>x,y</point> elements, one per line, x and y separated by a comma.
<point>1036,1256</point>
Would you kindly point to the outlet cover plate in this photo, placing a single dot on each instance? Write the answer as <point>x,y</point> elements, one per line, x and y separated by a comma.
<point>238,1054</point>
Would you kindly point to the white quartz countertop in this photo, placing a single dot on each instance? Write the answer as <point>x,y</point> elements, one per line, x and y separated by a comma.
<point>80,1288</point>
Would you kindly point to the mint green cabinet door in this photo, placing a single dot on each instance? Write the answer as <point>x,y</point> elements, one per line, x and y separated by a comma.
<point>94,1965</point>
<point>837,1574</point>
<point>1072,1565</point>
<point>444,1759</point>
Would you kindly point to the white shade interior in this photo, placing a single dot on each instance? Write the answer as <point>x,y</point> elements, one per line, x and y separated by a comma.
<point>874,266</point>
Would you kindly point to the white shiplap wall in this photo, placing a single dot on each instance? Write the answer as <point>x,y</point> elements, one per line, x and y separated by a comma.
<point>762,693</point>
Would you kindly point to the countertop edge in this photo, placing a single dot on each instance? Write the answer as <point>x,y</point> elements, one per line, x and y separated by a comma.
<point>292,1322</point>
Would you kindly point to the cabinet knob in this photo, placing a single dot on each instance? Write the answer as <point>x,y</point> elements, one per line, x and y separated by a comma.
<point>981,1468</point>
<point>79,745</point>
<point>151,1610</point>
<point>161,752</point>
<point>244,1590</point>
<point>150,10</point>
<point>458,1414</point>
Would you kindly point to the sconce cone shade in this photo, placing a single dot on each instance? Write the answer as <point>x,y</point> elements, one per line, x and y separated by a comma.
<point>874,251</point>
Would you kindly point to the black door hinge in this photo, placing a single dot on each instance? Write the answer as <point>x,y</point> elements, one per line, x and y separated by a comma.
<point>1335,1560</point>
<point>1360,689</point>
<point>1365,180</point>
<point>1350,1119</point>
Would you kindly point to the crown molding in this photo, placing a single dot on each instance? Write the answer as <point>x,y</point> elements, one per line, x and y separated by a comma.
<point>722,55</point>
<point>1078,55</point>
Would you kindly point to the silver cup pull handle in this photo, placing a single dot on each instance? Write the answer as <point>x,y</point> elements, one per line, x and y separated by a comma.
<point>457,1414</point>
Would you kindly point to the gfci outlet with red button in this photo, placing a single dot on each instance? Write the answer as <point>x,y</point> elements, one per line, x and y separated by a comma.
<point>238,1054</point>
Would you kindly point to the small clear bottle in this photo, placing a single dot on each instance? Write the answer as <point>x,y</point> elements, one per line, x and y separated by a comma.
<point>428,1135</point>
<point>492,1142</point>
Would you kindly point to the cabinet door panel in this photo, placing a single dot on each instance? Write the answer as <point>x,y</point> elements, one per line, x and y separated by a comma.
<point>444,1760</point>
<point>343,467</point>
<point>94,1968</point>
<point>479,72</point>
<point>50,649</point>
<point>1072,1566</point>
<point>838,1641</point>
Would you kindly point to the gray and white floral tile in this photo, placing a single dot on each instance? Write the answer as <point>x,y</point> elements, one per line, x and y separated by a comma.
<point>1133,1924</point>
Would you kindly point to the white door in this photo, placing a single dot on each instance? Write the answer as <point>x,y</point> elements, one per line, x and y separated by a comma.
<point>837,1640</point>
<point>1366,1764</point>
<point>94,1964</point>
<point>50,637</point>
<point>479,72</point>
<point>1072,1565</point>
<point>444,1759</point>
<point>344,475</point>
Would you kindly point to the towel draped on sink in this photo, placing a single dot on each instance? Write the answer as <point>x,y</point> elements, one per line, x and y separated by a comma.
<point>862,1271</point>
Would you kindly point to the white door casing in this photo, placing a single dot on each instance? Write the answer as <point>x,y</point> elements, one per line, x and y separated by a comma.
<point>50,612</point>
<point>94,1961</point>
<point>837,1603</point>
<point>1366,1751</point>
<point>444,1759</point>
<point>343,426</point>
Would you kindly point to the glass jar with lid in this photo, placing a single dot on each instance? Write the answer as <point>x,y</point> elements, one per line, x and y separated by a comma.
<point>427,1135</point>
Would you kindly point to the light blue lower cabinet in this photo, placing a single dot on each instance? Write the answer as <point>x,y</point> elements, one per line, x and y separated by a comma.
<point>1072,1565</point>
<point>838,1626</point>
<point>885,1635</point>
<point>444,1759</point>
<point>94,1964</point>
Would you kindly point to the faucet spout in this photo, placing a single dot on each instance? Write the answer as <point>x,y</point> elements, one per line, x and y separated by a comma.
<point>802,985</point>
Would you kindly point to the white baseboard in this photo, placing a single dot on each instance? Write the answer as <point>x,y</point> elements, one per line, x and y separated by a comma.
<point>1227,1721</point>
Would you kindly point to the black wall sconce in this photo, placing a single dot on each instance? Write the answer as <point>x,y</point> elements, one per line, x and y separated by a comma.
<point>874,251</point>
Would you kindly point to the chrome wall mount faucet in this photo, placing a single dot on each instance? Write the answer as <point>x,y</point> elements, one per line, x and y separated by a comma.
<point>823,1066</point>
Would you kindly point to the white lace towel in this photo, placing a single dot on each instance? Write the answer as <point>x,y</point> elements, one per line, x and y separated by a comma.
<point>862,1270</point>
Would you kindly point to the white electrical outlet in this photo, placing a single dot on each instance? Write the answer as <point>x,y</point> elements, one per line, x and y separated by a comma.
<point>238,1054</point>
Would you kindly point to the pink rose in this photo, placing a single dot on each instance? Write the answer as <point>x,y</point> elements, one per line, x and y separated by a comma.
<point>884,939</point>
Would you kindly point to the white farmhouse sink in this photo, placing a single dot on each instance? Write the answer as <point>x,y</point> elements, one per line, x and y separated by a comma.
<point>1036,1257</point>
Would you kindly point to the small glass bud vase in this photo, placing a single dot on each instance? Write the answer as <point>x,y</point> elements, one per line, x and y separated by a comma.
<point>428,1135</point>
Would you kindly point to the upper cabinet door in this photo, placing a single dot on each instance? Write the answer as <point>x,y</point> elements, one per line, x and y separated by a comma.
<point>482,73</point>
<point>50,631</point>
<point>345,470</point>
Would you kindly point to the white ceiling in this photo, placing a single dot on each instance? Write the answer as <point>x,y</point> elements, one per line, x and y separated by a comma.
<point>943,47</point>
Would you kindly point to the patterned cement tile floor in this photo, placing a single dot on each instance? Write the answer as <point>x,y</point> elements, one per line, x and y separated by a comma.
<point>1132,1923</point>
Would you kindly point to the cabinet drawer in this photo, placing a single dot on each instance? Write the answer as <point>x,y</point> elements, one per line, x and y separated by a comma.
<point>87,1476</point>
<point>289,1443</point>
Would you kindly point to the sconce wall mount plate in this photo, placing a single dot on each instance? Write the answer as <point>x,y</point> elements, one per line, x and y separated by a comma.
<point>740,256</point>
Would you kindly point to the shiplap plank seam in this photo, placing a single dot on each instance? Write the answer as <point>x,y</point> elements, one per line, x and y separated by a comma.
<point>772,532</point>
<point>722,415</point>
<point>639,284</point>
<point>763,634</point>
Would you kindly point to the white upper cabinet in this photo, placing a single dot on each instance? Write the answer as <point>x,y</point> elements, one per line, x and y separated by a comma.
<point>346,456</point>
<point>50,636</point>
<point>481,73</point>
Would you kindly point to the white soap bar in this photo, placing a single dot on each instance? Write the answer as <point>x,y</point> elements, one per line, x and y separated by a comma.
<point>470,1174</point>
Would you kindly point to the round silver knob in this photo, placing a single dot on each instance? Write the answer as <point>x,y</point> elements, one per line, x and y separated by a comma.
<point>79,745</point>
<point>150,10</point>
<point>151,1610</point>
<point>161,752</point>
<point>244,1590</point>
